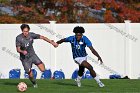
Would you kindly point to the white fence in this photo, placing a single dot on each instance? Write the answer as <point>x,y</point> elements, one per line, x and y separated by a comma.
<point>118,44</point>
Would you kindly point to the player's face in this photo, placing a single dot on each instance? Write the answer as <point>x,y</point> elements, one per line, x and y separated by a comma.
<point>78,36</point>
<point>25,32</point>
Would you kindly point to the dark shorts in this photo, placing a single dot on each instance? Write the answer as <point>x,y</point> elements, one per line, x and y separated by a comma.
<point>28,62</point>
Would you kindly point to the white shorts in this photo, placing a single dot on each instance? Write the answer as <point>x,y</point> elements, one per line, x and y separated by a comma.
<point>79,60</point>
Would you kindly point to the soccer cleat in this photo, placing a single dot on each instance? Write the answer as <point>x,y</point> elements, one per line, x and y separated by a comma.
<point>78,82</point>
<point>101,84</point>
<point>35,86</point>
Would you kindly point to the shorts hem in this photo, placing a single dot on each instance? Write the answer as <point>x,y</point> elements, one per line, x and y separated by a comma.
<point>39,63</point>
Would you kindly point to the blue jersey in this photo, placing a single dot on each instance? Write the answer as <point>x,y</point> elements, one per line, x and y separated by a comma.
<point>78,48</point>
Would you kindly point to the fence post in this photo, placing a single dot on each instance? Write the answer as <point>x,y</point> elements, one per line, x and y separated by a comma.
<point>127,43</point>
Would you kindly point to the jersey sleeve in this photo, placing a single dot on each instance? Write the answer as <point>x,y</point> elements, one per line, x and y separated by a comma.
<point>68,39</point>
<point>35,36</point>
<point>87,42</point>
<point>18,42</point>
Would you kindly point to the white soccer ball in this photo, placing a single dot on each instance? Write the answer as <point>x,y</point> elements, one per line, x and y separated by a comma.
<point>22,86</point>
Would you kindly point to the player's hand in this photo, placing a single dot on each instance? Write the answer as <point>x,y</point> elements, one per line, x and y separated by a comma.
<point>24,52</point>
<point>54,44</point>
<point>100,59</point>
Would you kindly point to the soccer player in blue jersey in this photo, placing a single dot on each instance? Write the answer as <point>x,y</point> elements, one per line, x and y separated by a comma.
<point>78,45</point>
<point>24,46</point>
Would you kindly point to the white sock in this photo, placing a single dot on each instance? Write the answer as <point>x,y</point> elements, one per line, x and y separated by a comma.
<point>79,77</point>
<point>97,79</point>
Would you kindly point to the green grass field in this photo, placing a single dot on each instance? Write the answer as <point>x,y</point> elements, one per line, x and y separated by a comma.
<point>69,86</point>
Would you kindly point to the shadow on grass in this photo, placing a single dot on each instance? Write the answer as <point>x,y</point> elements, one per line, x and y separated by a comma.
<point>71,84</point>
<point>15,84</point>
<point>11,83</point>
<point>64,83</point>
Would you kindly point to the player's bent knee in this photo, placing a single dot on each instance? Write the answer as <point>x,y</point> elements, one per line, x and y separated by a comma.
<point>41,67</point>
<point>42,70</point>
<point>30,73</point>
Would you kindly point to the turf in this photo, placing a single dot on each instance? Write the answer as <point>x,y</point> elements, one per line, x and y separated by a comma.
<point>69,86</point>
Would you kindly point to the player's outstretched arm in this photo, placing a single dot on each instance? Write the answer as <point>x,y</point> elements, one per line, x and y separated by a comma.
<point>49,41</point>
<point>61,41</point>
<point>96,54</point>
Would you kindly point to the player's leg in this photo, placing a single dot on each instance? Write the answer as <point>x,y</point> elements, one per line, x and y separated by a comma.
<point>41,67</point>
<point>80,74</point>
<point>92,72</point>
<point>89,67</point>
<point>38,63</point>
<point>27,64</point>
<point>32,79</point>
<point>81,70</point>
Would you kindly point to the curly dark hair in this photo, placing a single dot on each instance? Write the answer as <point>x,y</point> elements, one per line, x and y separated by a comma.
<point>78,29</point>
<point>24,26</point>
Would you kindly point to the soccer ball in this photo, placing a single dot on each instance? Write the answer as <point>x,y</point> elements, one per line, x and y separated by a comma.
<point>22,87</point>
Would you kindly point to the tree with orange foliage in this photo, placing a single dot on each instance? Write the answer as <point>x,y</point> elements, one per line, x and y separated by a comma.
<point>8,19</point>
